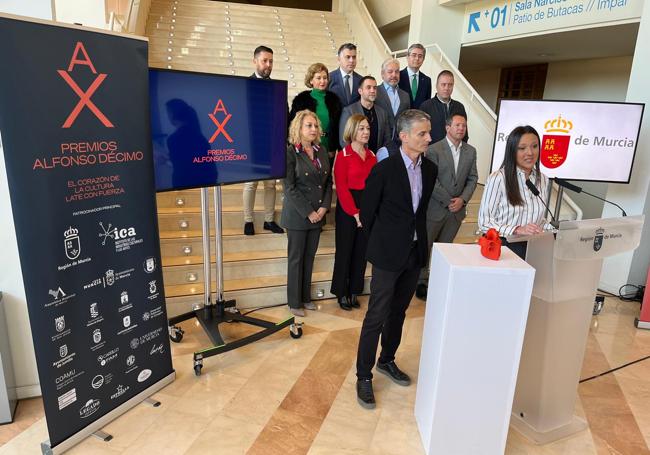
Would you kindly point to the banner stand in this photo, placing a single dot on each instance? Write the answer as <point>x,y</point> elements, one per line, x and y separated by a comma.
<point>210,315</point>
<point>83,207</point>
<point>104,420</point>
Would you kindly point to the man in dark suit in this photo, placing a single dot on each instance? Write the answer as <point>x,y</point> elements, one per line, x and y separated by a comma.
<point>344,81</point>
<point>380,129</point>
<point>412,80</point>
<point>263,61</point>
<point>457,177</point>
<point>442,106</point>
<point>393,214</point>
<point>393,99</point>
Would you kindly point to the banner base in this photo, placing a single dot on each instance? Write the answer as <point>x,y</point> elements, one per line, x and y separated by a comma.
<point>97,425</point>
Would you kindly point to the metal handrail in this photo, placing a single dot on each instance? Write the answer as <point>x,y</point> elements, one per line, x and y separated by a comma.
<point>373,26</point>
<point>447,62</point>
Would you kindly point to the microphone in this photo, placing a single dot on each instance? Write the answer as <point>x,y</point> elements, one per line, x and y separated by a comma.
<point>577,189</point>
<point>533,189</point>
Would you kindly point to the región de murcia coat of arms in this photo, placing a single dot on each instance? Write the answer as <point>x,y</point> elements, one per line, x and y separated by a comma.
<point>555,147</point>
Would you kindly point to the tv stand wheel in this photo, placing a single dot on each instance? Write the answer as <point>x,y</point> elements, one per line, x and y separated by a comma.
<point>175,334</point>
<point>198,365</point>
<point>295,330</point>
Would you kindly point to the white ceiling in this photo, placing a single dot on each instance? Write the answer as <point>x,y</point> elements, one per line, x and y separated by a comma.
<point>600,42</point>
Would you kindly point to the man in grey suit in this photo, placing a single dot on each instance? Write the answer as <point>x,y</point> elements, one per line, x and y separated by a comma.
<point>380,129</point>
<point>456,182</point>
<point>390,97</point>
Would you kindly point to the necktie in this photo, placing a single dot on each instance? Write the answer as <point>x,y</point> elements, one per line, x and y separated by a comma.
<point>395,100</point>
<point>348,89</point>
<point>414,86</point>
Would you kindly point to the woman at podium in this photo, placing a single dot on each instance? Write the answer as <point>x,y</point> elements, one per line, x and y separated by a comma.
<point>508,205</point>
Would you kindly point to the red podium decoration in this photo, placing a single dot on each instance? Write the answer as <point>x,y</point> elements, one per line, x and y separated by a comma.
<point>491,245</point>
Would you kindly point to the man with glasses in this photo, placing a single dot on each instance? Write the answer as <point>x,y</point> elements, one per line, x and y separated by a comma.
<point>412,80</point>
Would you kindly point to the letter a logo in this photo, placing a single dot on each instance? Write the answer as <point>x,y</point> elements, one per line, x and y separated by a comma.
<point>221,126</point>
<point>80,58</point>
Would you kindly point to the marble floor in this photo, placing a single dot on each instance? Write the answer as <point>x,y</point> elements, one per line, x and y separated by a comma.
<point>284,396</point>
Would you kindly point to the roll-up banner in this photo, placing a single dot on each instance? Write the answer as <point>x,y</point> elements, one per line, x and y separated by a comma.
<point>74,123</point>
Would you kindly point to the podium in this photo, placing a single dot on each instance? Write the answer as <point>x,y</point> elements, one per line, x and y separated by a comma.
<point>471,343</point>
<point>568,269</point>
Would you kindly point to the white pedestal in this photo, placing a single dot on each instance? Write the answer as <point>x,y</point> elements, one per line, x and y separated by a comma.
<point>471,344</point>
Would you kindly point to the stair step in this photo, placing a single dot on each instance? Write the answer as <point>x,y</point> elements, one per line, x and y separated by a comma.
<point>242,270</point>
<point>255,297</point>
<point>192,233</point>
<point>236,256</point>
<point>193,246</point>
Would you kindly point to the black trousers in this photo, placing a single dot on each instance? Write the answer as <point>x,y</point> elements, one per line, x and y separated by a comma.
<point>519,248</point>
<point>301,252</point>
<point>390,295</point>
<point>350,256</point>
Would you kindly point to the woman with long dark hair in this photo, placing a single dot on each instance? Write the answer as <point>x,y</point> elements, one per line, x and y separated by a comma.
<point>507,204</point>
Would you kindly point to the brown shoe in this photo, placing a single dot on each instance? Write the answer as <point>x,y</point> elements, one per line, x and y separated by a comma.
<point>297,312</point>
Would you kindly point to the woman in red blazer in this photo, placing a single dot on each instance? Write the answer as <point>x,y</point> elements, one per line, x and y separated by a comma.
<point>351,168</point>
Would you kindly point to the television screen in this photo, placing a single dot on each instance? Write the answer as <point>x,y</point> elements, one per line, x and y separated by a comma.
<point>212,129</point>
<point>580,140</point>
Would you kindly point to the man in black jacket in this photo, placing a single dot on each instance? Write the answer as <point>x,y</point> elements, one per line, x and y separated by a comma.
<point>441,106</point>
<point>393,214</point>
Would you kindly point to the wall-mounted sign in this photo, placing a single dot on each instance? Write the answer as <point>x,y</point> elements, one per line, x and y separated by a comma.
<point>489,20</point>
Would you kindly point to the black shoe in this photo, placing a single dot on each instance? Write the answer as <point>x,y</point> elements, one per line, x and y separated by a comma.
<point>398,376</point>
<point>353,301</point>
<point>249,228</point>
<point>421,291</point>
<point>365,395</point>
<point>273,227</point>
<point>343,303</point>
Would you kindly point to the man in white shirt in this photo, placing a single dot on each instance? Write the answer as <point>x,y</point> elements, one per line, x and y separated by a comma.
<point>456,182</point>
<point>344,81</point>
<point>390,97</point>
<point>263,61</point>
<point>412,80</point>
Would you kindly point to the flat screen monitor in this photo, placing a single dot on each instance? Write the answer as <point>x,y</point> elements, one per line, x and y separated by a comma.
<point>212,129</point>
<point>580,140</point>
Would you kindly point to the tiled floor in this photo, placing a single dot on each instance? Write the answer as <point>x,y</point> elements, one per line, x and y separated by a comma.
<point>285,396</point>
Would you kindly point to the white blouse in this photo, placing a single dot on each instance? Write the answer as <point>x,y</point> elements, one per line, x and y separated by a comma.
<point>496,212</point>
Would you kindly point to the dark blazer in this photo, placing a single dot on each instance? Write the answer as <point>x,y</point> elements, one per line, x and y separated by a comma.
<point>424,87</point>
<point>387,213</point>
<point>336,85</point>
<point>438,112</point>
<point>451,183</point>
<point>384,133</point>
<point>303,100</point>
<point>384,101</point>
<point>306,189</point>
